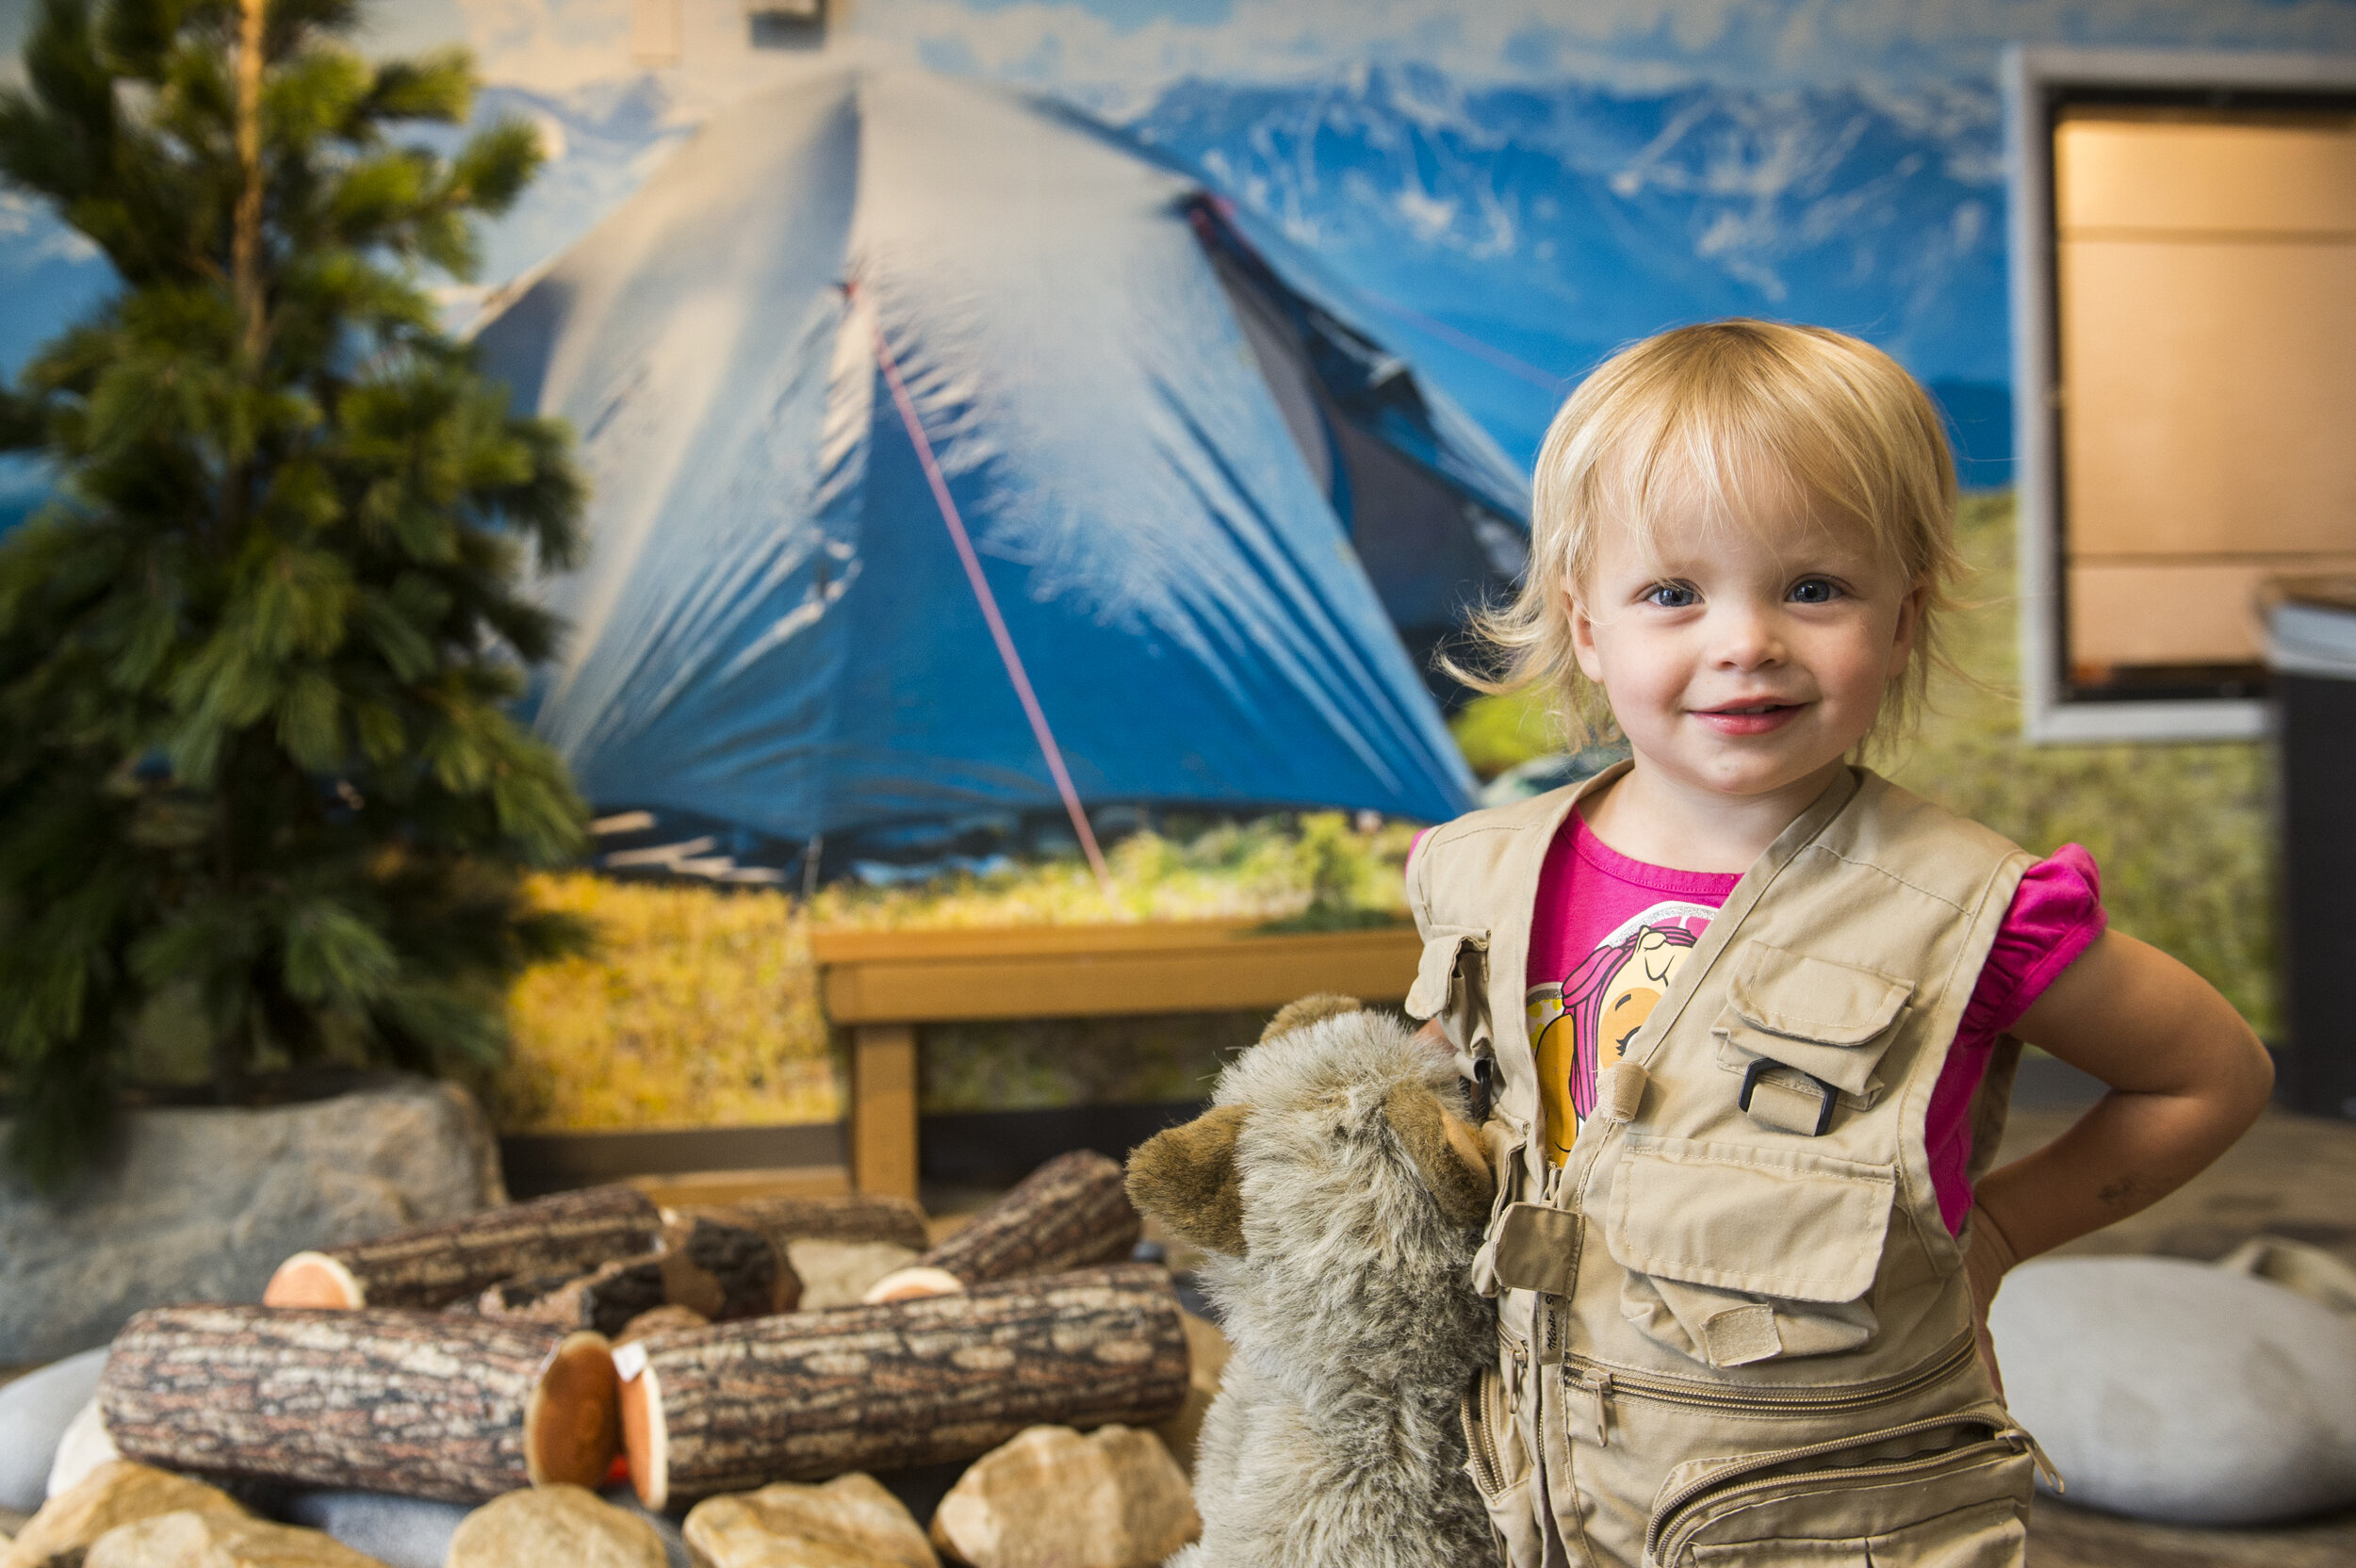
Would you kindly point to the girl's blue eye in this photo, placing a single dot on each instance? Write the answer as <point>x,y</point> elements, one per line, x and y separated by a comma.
<point>1814,590</point>
<point>1672,595</point>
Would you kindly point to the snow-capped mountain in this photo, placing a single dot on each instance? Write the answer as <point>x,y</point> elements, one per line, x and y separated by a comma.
<point>1505,236</point>
<point>1549,226</point>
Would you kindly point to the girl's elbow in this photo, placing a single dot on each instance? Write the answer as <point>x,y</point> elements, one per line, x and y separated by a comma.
<point>2257,1072</point>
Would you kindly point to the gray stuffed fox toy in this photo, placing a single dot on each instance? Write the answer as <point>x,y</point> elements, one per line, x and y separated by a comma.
<point>1342,1192</point>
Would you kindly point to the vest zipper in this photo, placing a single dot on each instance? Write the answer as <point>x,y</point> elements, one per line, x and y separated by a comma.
<point>2013,1437</point>
<point>1602,1385</point>
<point>1479,1411</point>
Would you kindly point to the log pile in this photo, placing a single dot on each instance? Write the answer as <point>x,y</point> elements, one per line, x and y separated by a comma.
<point>376,1400</point>
<point>1070,1213</point>
<point>433,1265</point>
<point>719,1272</point>
<point>812,1394</point>
<point>460,1360</point>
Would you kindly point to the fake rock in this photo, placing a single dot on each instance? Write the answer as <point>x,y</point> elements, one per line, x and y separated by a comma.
<point>566,1525</point>
<point>116,1493</point>
<point>850,1522</point>
<point>35,1412</point>
<point>202,1205</point>
<point>1052,1499</point>
<point>2181,1392</point>
<point>192,1540</point>
<point>839,1273</point>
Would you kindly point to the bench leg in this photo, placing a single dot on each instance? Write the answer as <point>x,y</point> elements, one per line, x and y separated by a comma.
<point>883,1109</point>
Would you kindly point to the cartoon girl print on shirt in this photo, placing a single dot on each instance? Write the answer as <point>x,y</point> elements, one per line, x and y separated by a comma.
<point>1602,1003</point>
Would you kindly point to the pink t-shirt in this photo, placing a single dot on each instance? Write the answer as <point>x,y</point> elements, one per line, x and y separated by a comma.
<point>1609,935</point>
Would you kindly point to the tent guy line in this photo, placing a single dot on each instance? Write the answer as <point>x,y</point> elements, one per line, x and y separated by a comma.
<point>989,601</point>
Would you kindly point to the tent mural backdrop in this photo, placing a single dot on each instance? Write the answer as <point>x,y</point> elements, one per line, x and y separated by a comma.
<point>1172,361</point>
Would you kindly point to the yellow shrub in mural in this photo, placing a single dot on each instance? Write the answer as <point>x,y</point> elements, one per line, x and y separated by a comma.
<point>700,1008</point>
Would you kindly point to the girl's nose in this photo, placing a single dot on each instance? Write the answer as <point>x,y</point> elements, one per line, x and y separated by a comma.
<point>1748,639</point>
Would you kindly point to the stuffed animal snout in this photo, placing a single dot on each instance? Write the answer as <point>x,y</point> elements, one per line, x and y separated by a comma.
<point>1187,1177</point>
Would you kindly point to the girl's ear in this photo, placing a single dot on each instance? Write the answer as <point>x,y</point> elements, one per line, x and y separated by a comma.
<point>1446,1152</point>
<point>1909,628</point>
<point>1186,1178</point>
<point>1582,634</point>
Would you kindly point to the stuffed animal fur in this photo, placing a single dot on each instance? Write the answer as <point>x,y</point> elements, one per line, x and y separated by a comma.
<point>1342,1192</point>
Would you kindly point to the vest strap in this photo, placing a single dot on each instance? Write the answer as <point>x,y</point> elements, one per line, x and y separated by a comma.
<point>1784,1106</point>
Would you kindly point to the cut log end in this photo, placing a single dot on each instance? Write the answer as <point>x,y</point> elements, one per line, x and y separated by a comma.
<point>643,1437</point>
<point>572,1429</point>
<point>315,1279</point>
<point>912,1283</point>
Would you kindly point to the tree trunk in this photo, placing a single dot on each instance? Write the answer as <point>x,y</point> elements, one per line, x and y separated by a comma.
<point>1071,1212</point>
<point>855,1217</point>
<point>245,240</point>
<point>720,1271</point>
<point>817,1394</point>
<point>456,1409</point>
<point>429,1267</point>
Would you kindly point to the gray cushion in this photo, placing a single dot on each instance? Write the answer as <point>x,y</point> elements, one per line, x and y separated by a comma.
<point>35,1410</point>
<point>2179,1392</point>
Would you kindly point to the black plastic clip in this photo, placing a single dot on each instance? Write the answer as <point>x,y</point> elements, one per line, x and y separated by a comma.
<point>1763,1064</point>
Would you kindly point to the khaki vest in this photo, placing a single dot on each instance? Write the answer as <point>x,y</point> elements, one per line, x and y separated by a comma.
<point>1739,1335</point>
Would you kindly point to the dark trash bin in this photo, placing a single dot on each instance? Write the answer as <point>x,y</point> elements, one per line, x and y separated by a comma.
<point>2312,652</point>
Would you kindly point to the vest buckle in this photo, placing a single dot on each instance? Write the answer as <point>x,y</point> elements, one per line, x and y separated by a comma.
<point>1761,1065</point>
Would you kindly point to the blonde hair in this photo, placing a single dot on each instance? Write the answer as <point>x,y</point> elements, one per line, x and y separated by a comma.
<point>1710,406</point>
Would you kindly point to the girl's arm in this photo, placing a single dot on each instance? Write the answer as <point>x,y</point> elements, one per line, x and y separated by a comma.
<point>2187,1077</point>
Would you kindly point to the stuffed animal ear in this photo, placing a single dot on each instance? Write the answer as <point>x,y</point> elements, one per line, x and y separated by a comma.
<point>1186,1178</point>
<point>1445,1150</point>
<point>1308,1010</point>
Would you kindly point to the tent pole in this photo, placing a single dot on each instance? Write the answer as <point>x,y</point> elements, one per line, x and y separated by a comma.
<point>988,603</point>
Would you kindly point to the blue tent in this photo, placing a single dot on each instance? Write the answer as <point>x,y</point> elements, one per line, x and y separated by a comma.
<point>1140,425</point>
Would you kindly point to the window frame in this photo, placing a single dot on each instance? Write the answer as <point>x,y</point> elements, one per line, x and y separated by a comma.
<point>2038,83</point>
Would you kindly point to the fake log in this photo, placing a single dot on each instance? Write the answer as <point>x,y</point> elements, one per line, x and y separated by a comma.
<point>454,1409</point>
<point>816,1393</point>
<point>432,1265</point>
<point>848,1217</point>
<point>1071,1212</point>
<point>720,1271</point>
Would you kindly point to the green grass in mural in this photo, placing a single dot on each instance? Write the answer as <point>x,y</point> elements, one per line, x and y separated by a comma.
<point>701,1008</point>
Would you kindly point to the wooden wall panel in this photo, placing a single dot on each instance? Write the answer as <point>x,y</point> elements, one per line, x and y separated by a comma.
<point>2207,297</point>
<point>2177,612</point>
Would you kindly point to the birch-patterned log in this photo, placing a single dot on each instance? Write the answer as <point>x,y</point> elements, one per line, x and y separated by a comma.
<point>812,1394</point>
<point>1071,1212</point>
<point>432,1265</point>
<point>846,1217</point>
<point>456,1409</point>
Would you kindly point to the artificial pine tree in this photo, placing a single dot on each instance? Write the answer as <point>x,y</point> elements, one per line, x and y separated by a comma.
<point>256,661</point>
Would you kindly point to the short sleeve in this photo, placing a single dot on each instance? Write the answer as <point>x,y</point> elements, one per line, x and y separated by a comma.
<point>2055,915</point>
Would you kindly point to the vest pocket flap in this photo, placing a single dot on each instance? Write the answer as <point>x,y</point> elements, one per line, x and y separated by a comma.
<point>1806,998</point>
<point>1773,1222</point>
<point>1845,1067</point>
<point>1435,972</point>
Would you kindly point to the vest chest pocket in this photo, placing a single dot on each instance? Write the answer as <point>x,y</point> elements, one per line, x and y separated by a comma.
<point>1452,985</point>
<point>1736,1253</point>
<point>1807,1034</point>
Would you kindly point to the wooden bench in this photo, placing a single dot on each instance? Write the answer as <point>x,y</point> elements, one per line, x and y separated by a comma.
<point>881,985</point>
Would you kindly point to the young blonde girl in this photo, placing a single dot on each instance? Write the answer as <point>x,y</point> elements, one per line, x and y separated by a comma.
<point>1750,1012</point>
